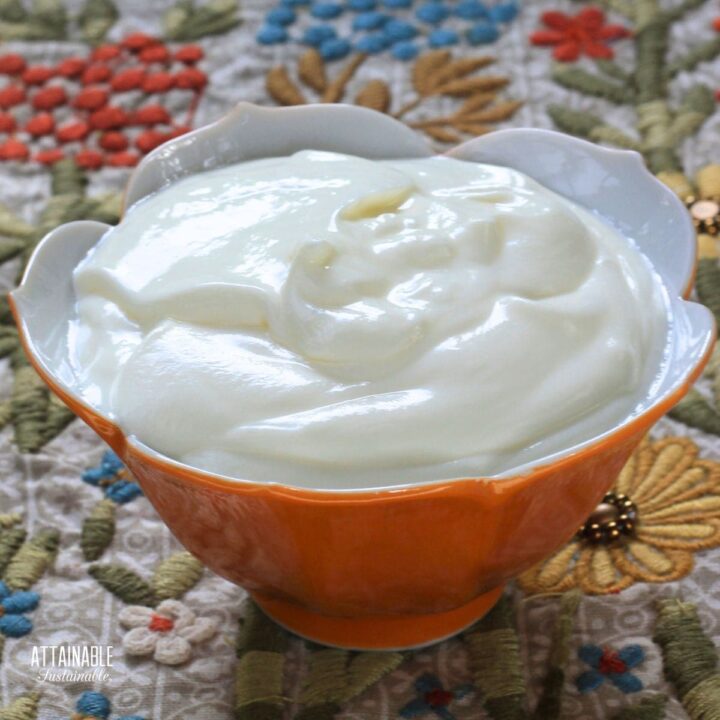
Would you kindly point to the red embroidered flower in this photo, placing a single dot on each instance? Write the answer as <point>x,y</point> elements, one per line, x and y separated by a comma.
<point>49,157</point>
<point>583,34</point>
<point>71,67</point>
<point>49,98</point>
<point>41,124</point>
<point>73,131</point>
<point>37,74</point>
<point>11,95</point>
<point>13,149</point>
<point>11,64</point>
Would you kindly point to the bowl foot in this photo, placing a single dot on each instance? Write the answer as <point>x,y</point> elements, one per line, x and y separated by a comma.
<point>381,632</point>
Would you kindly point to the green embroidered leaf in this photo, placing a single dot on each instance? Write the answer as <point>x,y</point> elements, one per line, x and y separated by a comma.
<point>690,659</point>
<point>649,708</point>
<point>68,178</point>
<point>9,341</point>
<point>32,560</point>
<point>367,668</point>
<point>124,584</point>
<point>24,707</point>
<point>10,248</point>
<point>9,520</point>
<point>98,530</point>
<point>575,122</point>
<point>96,18</point>
<point>707,284</point>
<point>10,542</point>
<point>12,11</point>
<point>694,410</point>
<point>50,16</point>
<point>258,632</point>
<point>494,650</point>
<point>175,575</point>
<point>184,21</point>
<point>575,78</point>
<point>12,226</point>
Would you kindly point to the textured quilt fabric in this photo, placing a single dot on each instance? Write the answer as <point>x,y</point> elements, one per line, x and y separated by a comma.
<point>625,629</point>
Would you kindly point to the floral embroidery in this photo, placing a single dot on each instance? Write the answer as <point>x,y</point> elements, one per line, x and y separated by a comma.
<point>612,665</point>
<point>677,496</point>
<point>93,108</point>
<point>435,74</point>
<point>401,27</point>
<point>113,477</point>
<point>165,632</point>
<point>92,705</point>
<point>574,35</point>
<point>433,698</point>
<point>13,605</point>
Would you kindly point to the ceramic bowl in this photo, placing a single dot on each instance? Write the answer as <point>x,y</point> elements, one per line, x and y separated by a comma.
<point>405,565</point>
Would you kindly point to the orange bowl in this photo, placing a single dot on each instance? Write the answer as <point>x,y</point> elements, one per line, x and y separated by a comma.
<point>396,566</point>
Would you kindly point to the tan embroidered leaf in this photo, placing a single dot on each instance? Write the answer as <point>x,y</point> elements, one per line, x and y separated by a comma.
<point>475,102</point>
<point>282,89</point>
<point>311,70</point>
<point>32,559</point>
<point>466,86</point>
<point>441,134</point>
<point>425,66</point>
<point>458,69</point>
<point>472,128</point>
<point>96,18</point>
<point>336,89</point>
<point>496,113</point>
<point>375,95</point>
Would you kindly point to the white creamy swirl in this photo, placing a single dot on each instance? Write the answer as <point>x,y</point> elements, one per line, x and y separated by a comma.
<point>329,321</point>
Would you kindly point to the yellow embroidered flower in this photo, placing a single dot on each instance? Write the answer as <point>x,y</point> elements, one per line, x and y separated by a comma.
<point>677,500</point>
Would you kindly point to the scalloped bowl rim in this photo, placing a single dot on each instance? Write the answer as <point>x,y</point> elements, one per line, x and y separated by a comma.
<point>652,412</point>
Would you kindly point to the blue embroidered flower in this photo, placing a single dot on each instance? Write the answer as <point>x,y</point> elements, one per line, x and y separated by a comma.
<point>96,705</point>
<point>13,622</point>
<point>433,698</point>
<point>609,664</point>
<point>403,28</point>
<point>112,476</point>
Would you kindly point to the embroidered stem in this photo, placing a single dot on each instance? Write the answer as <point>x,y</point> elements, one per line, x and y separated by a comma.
<point>494,651</point>
<point>549,706</point>
<point>261,648</point>
<point>690,659</point>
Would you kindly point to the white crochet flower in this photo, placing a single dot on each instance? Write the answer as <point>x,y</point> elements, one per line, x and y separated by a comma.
<point>165,632</point>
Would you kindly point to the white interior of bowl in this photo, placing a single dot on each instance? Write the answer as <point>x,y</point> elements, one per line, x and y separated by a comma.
<point>594,177</point>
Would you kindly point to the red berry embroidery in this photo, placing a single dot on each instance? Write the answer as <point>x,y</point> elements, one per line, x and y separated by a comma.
<point>89,159</point>
<point>11,95</point>
<point>103,88</point>
<point>72,132</point>
<point>41,124</point>
<point>49,98</point>
<point>37,75</point>
<point>13,149</point>
<point>11,64</point>
<point>191,79</point>
<point>148,140</point>
<point>122,159</point>
<point>137,41</point>
<point>158,82</point>
<point>92,98</point>
<point>49,157</point>
<point>71,67</point>
<point>113,141</point>
<point>129,79</point>
<point>96,73</point>
<point>151,115</point>
<point>108,118</point>
<point>189,54</point>
<point>154,54</point>
<point>104,53</point>
<point>7,122</point>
